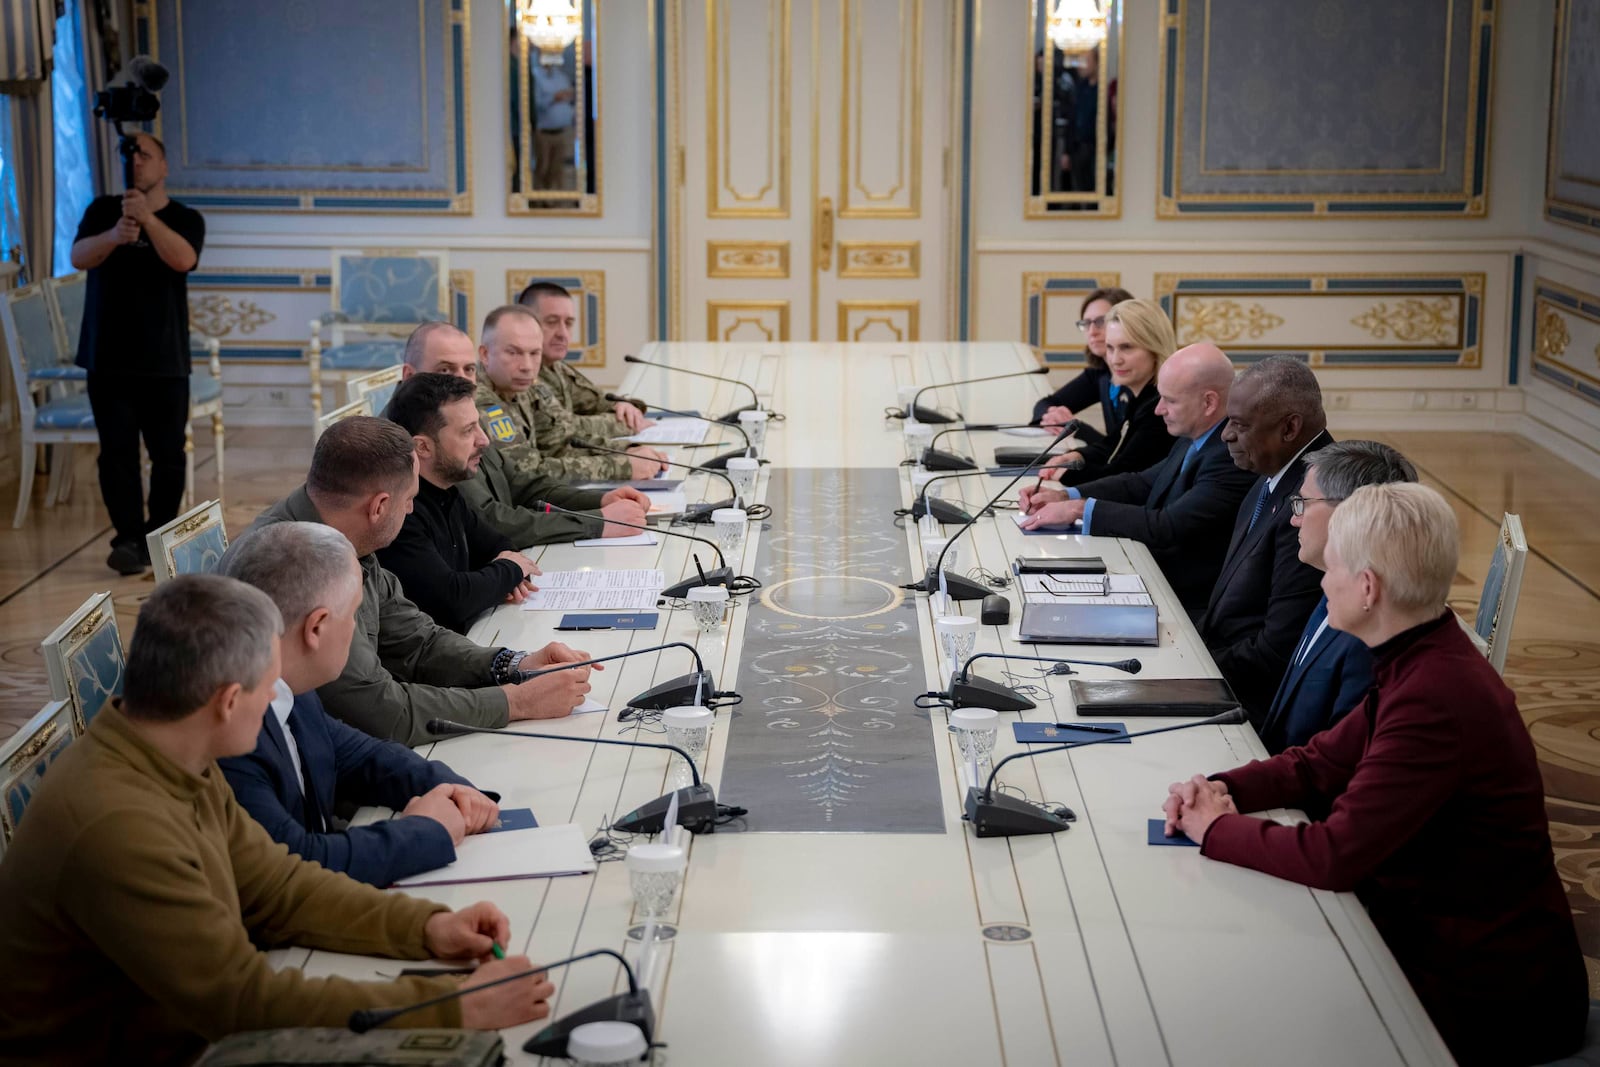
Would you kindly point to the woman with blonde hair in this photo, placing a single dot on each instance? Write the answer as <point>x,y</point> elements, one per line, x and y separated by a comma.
<point>1138,337</point>
<point>1426,798</point>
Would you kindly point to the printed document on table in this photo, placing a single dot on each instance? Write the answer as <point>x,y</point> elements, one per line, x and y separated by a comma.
<point>673,432</point>
<point>596,590</point>
<point>636,541</point>
<point>1028,431</point>
<point>667,502</point>
<point>537,852</point>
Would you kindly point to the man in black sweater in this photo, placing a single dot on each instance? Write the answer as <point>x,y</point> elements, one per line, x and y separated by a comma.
<point>450,563</point>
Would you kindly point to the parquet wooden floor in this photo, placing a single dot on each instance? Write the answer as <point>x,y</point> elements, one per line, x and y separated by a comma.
<point>57,560</point>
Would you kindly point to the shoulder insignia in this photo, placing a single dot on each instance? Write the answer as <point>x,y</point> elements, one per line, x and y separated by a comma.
<point>499,425</point>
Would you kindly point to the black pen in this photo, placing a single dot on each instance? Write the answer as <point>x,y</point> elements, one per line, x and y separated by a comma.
<point>1088,728</point>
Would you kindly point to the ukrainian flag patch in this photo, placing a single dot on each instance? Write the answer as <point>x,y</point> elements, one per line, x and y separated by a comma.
<point>500,425</point>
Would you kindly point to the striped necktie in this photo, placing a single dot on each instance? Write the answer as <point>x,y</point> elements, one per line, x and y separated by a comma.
<point>1261,503</point>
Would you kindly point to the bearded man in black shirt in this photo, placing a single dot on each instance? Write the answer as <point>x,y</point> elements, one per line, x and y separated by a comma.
<point>138,249</point>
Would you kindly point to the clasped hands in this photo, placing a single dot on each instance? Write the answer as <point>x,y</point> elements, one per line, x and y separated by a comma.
<point>1192,806</point>
<point>471,934</point>
<point>1048,507</point>
<point>460,809</point>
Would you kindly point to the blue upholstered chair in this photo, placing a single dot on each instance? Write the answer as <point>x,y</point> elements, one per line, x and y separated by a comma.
<point>1497,606</point>
<point>66,295</point>
<point>53,409</point>
<point>192,543</point>
<point>205,401</point>
<point>379,297</point>
<point>84,658</point>
<point>339,414</point>
<point>25,757</point>
<point>376,387</point>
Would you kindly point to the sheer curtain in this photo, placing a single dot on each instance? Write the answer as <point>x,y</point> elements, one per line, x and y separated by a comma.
<point>74,178</point>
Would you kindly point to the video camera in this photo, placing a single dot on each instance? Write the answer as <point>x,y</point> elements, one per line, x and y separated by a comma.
<point>131,97</point>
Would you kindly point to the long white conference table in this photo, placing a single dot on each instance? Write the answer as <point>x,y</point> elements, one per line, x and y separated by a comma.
<point>1084,947</point>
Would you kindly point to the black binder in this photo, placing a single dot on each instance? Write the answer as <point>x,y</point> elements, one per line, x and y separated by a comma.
<point>1170,697</point>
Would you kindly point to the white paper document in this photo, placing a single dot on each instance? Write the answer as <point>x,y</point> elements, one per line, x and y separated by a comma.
<point>1020,517</point>
<point>667,501</point>
<point>1028,431</point>
<point>638,540</point>
<point>596,590</point>
<point>672,432</point>
<point>589,705</point>
<point>537,852</point>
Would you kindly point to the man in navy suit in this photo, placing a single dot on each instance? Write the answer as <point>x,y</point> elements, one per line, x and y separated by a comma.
<point>1264,593</point>
<point>1183,507</point>
<point>1330,671</point>
<point>305,761</point>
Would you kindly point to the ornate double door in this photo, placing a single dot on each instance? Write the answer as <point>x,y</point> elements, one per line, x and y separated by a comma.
<point>812,170</point>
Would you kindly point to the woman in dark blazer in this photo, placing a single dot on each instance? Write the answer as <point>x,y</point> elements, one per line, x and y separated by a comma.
<point>1426,799</point>
<point>1089,387</point>
<point>1138,337</point>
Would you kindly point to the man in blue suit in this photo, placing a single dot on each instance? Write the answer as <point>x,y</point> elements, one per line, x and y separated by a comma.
<point>1330,671</point>
<point>306,762</point>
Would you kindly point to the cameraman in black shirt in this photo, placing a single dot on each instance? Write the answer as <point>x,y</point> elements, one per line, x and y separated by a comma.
<point>138,249</point>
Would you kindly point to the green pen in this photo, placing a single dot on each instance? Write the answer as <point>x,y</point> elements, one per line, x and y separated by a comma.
<point>499,953</point>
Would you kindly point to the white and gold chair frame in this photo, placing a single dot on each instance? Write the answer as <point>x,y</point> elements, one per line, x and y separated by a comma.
<point>25,757</point>
<point>376,387</point>
<point>205,401</point>
<point>339,414</point>
<point>1497,606</point>
<point>192,543</point>
<point>85,660</point>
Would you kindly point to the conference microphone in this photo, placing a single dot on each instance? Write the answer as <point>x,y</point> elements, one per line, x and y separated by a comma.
<point>721,575</point>
<point>693,513</point>
<point>697,803</point>
<point>933,415</point>
<point>953,585</point>
<point>943,510</point>
<point>679,692</point>
<point>1001,815</point>
<point>719,462</point>
<point>967,690</point>
<point>935,460</point>
<point>630,1007</point>
<point>731,417</point>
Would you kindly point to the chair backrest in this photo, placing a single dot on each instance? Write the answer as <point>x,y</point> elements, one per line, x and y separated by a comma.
<point>24,758</point>
<point>192,543</point>
<point>391,286</point>
<point>32,341</point>
<point>67,295</point>
<point>1497,607</point>
<point>378,386</point>
<point>84,658</point>
<point>362,406</point>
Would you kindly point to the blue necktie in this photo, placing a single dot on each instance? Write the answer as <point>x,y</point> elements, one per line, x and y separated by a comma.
<point>1320,613</point>
<point>1261,503</point>
<point>1188,459</point>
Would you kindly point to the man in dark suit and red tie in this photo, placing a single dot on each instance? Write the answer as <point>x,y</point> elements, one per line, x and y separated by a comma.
<point>1265,593</point>
<point>1183,507</point>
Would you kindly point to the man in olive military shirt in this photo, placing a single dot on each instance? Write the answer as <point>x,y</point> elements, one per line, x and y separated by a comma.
<point>581,408</point>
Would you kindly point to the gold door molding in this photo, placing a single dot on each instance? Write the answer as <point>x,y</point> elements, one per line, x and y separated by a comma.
<point>747,320</point>
<point>880,259</point>
<point>879,320</point>
<point>878,41</point>
<point>741,184</point>
<point>747,259</point>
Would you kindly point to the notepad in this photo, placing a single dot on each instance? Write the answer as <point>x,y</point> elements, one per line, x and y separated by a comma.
<point>667,502</point>
<point>674,432</point>
<point>639,540</point>
<point>538,852</point>
<point>1158,835</point>
<point>513,819</point>
<point>1048,733</point>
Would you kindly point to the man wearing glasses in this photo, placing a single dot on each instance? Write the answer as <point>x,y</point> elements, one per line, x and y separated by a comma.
<point>1330,671</point>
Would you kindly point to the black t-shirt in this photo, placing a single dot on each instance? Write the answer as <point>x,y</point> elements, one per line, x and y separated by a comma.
<point>136,308</point>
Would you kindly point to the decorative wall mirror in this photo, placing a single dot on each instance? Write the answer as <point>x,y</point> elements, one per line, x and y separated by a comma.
<point>552,67</point>
<point>1074,62</point>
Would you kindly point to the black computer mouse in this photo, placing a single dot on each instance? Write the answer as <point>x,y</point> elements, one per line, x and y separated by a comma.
<point>996,610</point>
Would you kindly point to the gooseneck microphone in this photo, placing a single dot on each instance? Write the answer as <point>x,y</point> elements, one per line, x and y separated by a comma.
<point>943,510</point>
<point>935,460</point>
<point>693,513</point>
<point>722,574</point>
<point>955,586</point>
<point>697,803</point>
<point>730,417</point>
<point>683,691</point>
<point>967,690</point>
<point>934,416</point>
<point>719,462</point>
<point>630,1007</point>
<point>1001,815</point>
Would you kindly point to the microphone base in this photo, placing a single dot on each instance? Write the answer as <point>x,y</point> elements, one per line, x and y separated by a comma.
<point>934,459</point>
<point>946,513</point>
<point>701,513</point>
<point>732,418</point>
<point>978,692</point>
<point>675,693</point>
<point>624,1007</point>
<point>1007,816</point>
<point>957,587</point>
<point>933,415</point>
<point>720,576</point>
<point>720,463</point>
<point>697,812</point>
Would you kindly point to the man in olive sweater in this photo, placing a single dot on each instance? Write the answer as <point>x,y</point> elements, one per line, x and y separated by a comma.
<point>139,897</point>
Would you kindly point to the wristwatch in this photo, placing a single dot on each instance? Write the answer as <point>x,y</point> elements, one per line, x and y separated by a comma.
<point>504,669</point>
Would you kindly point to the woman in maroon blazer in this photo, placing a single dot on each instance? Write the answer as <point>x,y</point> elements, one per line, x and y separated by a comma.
<point>1425,799</point>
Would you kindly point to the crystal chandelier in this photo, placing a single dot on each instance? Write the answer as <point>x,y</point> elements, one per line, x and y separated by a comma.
<point>1077,25</point>
<point>550,25</point>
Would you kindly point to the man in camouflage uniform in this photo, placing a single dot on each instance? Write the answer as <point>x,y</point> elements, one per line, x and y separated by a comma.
<point>584,411</point>
<point>510,397</point>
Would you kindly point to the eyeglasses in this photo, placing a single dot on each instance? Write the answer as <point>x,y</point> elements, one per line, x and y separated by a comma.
<point>1297,503</point>
<point>1092,324</point>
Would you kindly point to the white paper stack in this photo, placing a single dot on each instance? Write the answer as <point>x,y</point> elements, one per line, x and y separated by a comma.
<point>673,432</point>
<point>537,852</point>
<point>596,590</point>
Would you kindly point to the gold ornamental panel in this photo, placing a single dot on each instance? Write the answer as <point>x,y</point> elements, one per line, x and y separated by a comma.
<point>880,259</point>
<point>747,320</point>
<point>748,92</point>
<point>880,109</point>
<point>891,321</point>
<point>747,259</point>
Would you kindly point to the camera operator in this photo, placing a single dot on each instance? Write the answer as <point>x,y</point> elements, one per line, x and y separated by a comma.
<point>138,249</point>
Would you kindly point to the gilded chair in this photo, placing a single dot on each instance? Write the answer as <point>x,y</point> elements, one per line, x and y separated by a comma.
<point>339,414</point>
<point>25,757</point>
<point>205,401</point>
<point>84,658</point>
<point>1497,607</point>
<point>52,410</point>
<point>377,387</point>
<point>379,296</point>
<point>192,543</point>
<point>65,296</point>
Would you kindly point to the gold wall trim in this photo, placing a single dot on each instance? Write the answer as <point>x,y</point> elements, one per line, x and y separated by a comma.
<point>880,259</point>
<point>1101,202</point>
<point>1552,336</point>
<point>463,282</point>
<point>1557,209</point>
<point>746,312</point>
<point>1034,293</point>
<point>855,316</point>
<point>855,199</point>
<point>519,165</point>
<point>747,259</point>
<point>719,128</point>
<point>1222,321</point>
